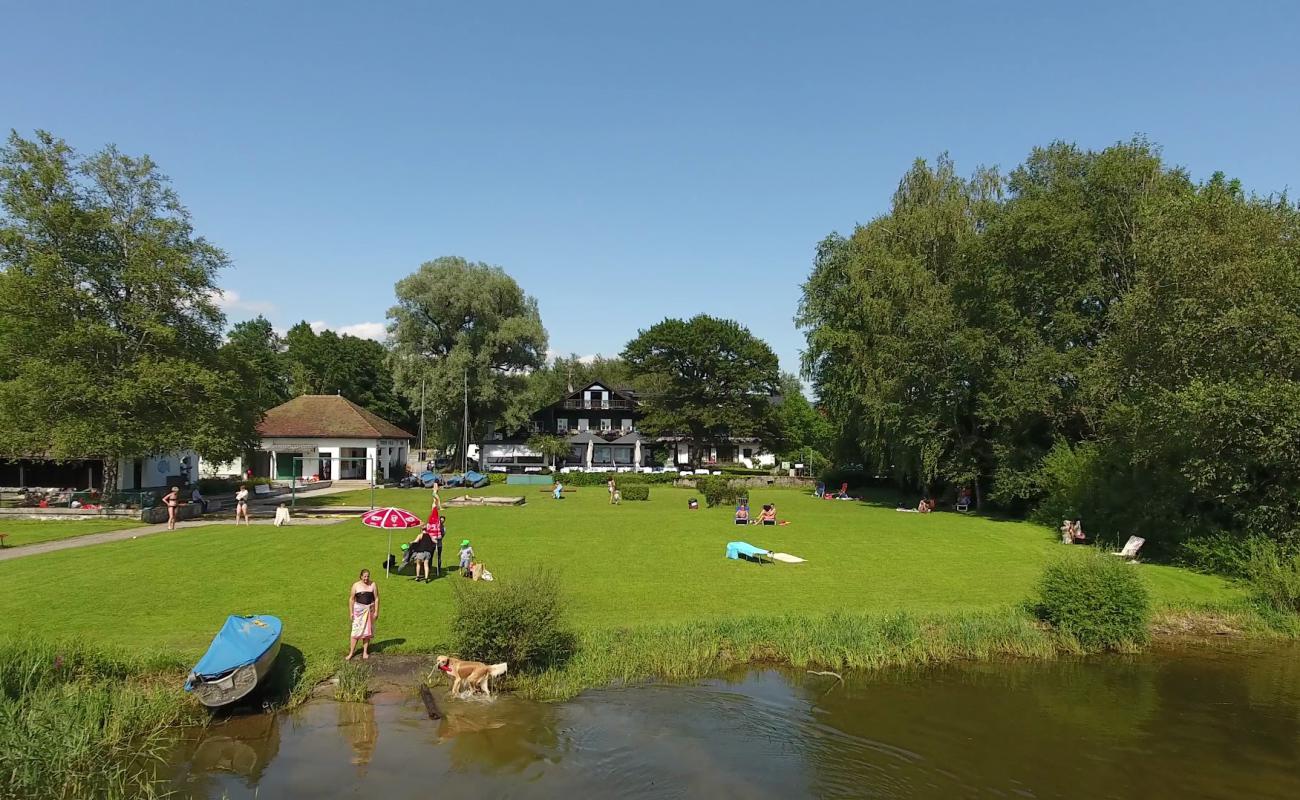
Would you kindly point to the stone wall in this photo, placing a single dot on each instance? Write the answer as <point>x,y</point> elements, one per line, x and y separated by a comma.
<point>757,482</point>
<point>158,514</point>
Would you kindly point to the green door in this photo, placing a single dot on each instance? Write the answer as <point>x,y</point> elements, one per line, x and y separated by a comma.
<point>285,466</point>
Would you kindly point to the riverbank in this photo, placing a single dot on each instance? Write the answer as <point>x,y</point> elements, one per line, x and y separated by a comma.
<point>645,587</point>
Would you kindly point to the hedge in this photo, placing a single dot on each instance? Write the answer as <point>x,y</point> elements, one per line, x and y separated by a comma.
<point>639,491</point>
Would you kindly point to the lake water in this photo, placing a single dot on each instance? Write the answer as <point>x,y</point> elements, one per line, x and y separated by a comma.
<point>1204,723</point>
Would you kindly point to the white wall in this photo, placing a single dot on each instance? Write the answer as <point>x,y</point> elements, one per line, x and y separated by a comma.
<point>157,469</point>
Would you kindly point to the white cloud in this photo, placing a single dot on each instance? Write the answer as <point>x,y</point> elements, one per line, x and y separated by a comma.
<point>232,302</point>
<point>362,330</point>
<point>366,330</point>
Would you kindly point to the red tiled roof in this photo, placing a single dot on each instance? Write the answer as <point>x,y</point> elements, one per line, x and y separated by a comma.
<point>315,416</point>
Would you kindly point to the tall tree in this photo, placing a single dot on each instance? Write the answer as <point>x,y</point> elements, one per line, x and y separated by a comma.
<point>256,352</point>
<point>109,337</point>
<point>706,378</point>
<point>463,330</point>
<point>808,434</point>
<point>327,363</point>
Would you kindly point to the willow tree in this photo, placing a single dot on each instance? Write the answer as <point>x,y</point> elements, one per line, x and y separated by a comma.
<point>464,336</point>
<point>109,336</point>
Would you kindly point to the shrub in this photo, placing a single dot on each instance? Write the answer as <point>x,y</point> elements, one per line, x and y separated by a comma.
<point>640,491</point>
<point>353,682</point>
<point>1220,553</point>
<point>1274,574</point>
<point>515,620</point>
<point>601,478</point>
<point>1097,600</point>
<point>717,490</point>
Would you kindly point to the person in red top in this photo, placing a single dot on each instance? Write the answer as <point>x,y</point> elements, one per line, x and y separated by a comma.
<point>436,528</point>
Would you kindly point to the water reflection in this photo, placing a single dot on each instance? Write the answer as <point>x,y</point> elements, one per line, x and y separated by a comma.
<point>357,724</point>
<point>1204,724</point>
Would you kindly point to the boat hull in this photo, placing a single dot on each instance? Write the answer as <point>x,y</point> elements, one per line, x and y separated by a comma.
<point>239,683</point>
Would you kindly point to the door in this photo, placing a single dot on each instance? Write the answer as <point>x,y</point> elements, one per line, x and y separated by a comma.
<point>325,466</point>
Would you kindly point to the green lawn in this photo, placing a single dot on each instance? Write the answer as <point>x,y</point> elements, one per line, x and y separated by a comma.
<point>638,563</point>
<point>32,531</point>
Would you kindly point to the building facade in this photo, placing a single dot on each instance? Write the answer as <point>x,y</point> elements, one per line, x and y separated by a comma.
<point>601,426</point>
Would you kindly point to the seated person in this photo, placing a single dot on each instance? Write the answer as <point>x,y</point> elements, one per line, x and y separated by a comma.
<point>558,491</point>
<point>742,514</point>
<point>844,491</point>
<point>924,507</point>
<point>963,499</point>
<point>768,517</point>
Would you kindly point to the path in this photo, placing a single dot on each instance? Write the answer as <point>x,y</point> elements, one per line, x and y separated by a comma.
<point>130,533</point>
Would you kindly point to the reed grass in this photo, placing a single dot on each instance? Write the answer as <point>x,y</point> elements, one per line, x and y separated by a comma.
<point>353,682</point>
<point>835,641</point>
<point>76,722</point>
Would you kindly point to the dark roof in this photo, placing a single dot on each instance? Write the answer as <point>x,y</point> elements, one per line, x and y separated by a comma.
<point>626,392</point>
<point>316,416</point>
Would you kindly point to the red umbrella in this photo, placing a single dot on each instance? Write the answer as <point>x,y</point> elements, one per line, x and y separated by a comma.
<point>388,519</point>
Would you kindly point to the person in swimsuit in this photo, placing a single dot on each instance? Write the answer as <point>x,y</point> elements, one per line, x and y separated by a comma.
<point>172,499</point>
<point>421,553</point>
<point>241,505</point>
<point>363,611</point>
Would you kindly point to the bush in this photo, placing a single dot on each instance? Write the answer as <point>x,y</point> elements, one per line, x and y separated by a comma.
<point>514,620</point>
<point>601,478</point>
<point>1219,553</point>
<point>636,492</point>
<point>1097,600</point>
<point>1274,574</point>
<point>717,490</point>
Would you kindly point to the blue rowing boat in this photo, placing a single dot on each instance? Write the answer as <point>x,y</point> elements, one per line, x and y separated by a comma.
<point>240,656</point>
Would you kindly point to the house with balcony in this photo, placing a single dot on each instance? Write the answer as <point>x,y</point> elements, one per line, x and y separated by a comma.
<point>601,426</point>
<point>599,422</point>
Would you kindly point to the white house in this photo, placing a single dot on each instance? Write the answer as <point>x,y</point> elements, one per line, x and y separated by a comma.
<point>330,437</point>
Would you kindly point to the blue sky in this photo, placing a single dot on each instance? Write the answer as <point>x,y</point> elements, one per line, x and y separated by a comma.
<point>623,161</point>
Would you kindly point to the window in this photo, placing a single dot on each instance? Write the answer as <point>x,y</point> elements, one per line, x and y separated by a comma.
<point>606,424</point>
<point>627,424</point>
<point>583,425</point>
<point>604,399</point>
<point>561,425</point>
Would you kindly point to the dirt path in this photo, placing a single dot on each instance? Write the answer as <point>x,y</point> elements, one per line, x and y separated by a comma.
<point>92,539</point>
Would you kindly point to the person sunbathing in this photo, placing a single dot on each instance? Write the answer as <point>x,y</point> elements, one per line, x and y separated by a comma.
<point>742,514</point>
<point>768,517</point>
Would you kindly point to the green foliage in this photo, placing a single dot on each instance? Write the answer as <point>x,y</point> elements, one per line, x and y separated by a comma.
<point>635,491</point>
<point>1094,334</point>
<point>552,447</point>
<point>717,490</point>
<point>518,620</point>
<point>808,436</point>
<point>623,478</point>
<point>327,363</point>
<point>1096,600</point>
<point>256,352</point>
<point>552,381</point>
<point>706,378</point>
<point>1274,574</point>
<point>352,682</point>
<point>76,722</point>
<point>463,327</point>
<point>110,341</point>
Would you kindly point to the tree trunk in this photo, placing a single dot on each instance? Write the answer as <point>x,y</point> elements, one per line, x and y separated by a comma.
<point>979,494</point>
<point>110,478</point>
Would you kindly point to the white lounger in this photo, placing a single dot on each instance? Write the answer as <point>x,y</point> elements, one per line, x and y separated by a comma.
<point>1131,548</point>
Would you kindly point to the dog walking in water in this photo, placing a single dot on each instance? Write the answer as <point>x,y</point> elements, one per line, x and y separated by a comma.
<point>475,674</point>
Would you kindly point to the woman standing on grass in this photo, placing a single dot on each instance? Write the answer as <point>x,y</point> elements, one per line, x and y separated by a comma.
<point>241,505</point>
<point>363,611</point>
<point>172,499</point>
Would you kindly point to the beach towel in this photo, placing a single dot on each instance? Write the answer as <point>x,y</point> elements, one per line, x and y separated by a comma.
<point>738,549</point>
<point>787,558</point>
<point>362,625</point>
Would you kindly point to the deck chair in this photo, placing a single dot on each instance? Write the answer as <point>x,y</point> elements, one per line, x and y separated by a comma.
<point>1130,550</point>
<point>747,551</point>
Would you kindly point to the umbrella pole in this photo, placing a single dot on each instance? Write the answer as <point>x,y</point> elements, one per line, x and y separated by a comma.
<point>388,561</point>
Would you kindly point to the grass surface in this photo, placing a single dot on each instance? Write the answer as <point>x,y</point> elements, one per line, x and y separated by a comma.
<point>638,564</point>
<point>33,531</point>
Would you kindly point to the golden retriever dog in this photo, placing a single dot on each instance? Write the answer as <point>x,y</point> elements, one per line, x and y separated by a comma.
<point>474,674</point>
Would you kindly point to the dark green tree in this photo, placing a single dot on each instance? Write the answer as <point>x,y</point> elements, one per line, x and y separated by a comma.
<point>256,352</point>
<point>706,378</point>
<point>327,363</point>
<point>109,337</point>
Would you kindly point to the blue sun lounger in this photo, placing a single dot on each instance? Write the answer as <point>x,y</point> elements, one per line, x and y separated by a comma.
<point>747,551</point>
